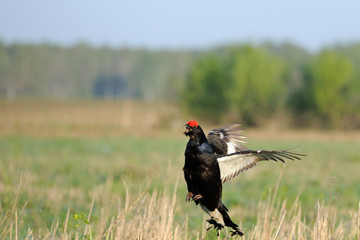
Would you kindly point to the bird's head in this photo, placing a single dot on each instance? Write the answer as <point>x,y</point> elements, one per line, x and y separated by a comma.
<point>191,128</point>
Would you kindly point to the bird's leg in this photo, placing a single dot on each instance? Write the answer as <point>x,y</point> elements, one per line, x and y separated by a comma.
<point>189,196</point>
<point>197,197</point>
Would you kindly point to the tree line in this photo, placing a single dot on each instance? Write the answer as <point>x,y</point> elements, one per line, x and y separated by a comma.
<point>84,71</point>
<point>241,82</point>
<point>260,83</point>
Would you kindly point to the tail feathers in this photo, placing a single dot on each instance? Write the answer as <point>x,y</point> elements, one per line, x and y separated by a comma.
<point>220,218</point>
<point>228,222</point>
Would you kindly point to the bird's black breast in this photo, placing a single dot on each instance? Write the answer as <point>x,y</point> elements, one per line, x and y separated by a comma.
<point>202,174</point>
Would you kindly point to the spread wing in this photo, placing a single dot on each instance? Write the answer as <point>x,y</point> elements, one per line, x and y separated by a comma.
<point>232,165</point>
<point>227,140</point>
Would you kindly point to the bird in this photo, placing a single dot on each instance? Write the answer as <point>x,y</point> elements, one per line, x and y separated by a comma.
<point>215,159</point>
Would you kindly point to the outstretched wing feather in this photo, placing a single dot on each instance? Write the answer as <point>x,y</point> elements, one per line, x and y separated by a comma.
<point>232,165</point>
<point>227,139</point>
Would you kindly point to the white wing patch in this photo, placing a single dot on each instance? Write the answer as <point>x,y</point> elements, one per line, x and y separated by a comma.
<point>231,147</point>
<point>233,165</point>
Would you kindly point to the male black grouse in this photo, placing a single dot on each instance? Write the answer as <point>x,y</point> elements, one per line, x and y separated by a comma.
<point>210,161</point>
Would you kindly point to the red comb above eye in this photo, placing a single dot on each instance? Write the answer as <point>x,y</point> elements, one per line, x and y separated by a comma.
<point>193,123</point>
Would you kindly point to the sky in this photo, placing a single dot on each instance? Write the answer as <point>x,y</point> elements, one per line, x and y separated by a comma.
<point>174,24</point>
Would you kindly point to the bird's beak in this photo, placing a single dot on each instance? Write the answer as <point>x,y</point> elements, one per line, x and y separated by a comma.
<point>187,130</point>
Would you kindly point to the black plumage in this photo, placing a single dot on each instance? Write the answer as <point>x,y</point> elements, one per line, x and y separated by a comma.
<point>212,160</point>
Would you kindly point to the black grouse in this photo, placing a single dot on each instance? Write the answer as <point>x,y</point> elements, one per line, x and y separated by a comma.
<point>210,161</point>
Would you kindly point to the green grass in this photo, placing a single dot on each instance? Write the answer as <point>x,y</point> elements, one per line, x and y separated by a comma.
<point>64,173</point>
<point>67,173</point>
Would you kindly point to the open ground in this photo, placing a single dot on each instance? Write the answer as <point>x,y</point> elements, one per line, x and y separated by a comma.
<point>113,170</point>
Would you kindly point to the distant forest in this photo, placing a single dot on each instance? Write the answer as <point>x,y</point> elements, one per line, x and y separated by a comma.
<point>232,80</point>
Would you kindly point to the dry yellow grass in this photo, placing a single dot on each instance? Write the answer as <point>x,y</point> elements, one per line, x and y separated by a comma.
<point>85,118</point>
<point>152,216</point>
<point>115,118</point>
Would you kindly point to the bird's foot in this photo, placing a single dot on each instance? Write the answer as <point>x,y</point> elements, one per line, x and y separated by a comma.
<point>189,196</point>
<point>197,197</point>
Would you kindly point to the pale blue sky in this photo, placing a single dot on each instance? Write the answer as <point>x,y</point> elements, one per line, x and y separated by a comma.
<point>180,24</point>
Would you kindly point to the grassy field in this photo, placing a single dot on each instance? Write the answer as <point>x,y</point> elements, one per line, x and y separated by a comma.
<point>113,170</point>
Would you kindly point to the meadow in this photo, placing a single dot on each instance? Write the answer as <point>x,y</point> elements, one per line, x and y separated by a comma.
<point>113,170</point>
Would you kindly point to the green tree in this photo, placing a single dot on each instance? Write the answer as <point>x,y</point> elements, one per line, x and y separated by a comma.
<point>330,76</point>
<point>256,84</point>
<point>204,92</point>
<point>352,53</point>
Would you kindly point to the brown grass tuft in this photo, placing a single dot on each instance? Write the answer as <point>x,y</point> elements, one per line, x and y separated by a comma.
<point>152,216</point>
